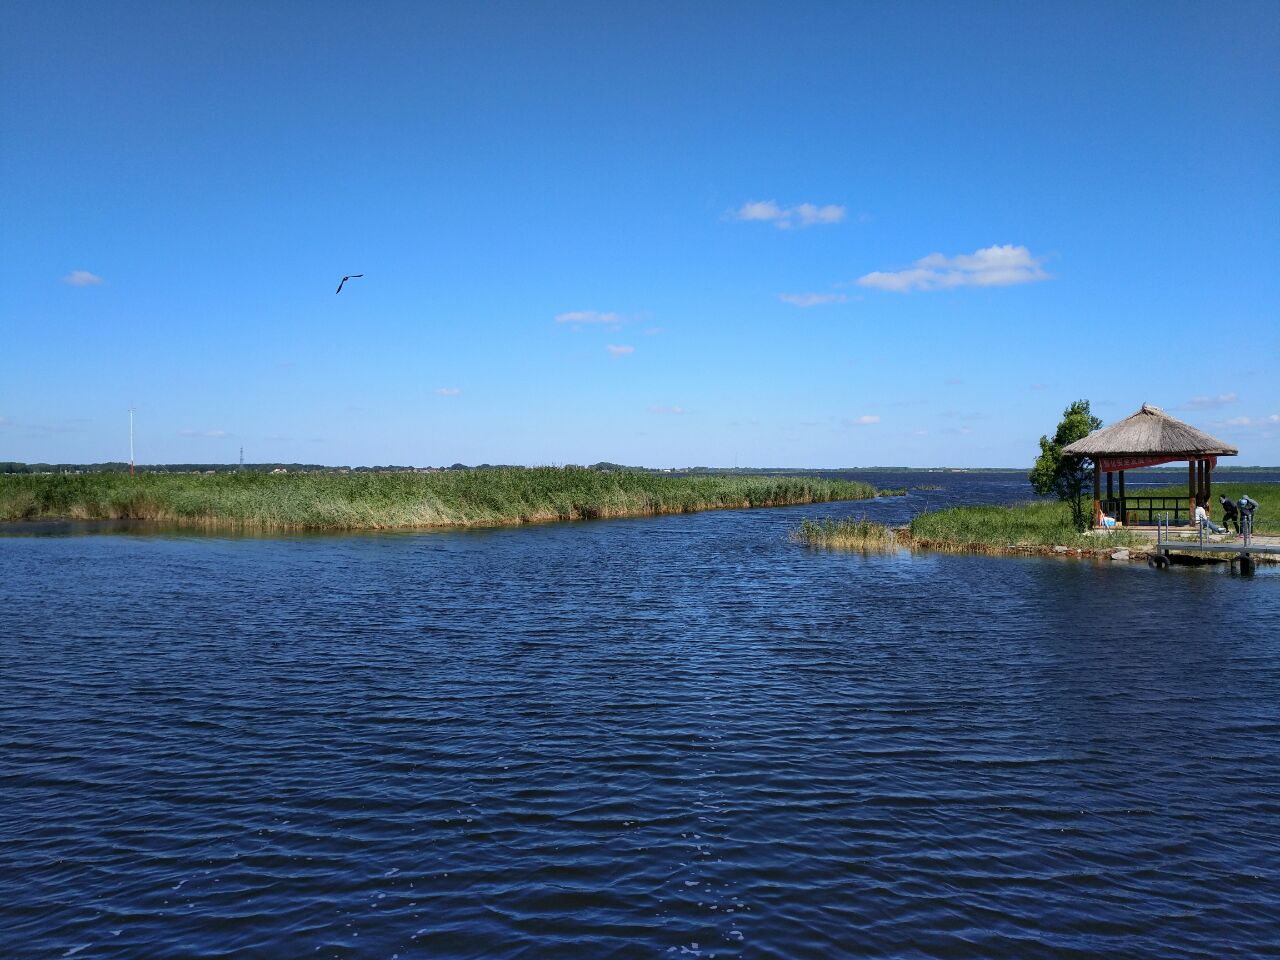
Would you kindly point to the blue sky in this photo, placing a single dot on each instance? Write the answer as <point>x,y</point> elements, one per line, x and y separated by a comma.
<point>809,234</point>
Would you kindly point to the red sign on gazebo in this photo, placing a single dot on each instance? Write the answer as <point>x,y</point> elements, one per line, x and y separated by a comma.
<point>1109,464</point>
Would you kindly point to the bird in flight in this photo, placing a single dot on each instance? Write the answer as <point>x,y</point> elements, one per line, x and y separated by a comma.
<point>345,279</point>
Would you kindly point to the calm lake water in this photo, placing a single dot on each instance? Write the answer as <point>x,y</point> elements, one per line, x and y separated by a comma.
<point>681,736</point>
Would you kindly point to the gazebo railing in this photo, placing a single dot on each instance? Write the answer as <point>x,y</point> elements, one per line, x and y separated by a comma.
<point>1146,510</point>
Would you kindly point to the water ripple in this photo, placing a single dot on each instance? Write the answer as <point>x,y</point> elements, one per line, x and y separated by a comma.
<point>673,737</point>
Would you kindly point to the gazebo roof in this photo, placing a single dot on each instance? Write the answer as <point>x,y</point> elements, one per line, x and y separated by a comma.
<point>1150,433</point>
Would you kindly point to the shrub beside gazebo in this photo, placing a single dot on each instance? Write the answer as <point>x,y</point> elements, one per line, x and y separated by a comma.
<point>1149,438</point>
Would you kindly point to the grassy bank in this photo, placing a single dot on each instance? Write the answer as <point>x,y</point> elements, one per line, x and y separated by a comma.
<point>995,529</point>
<point>1048,523</point>
<point>400,500</point>
<point>1023,528</point>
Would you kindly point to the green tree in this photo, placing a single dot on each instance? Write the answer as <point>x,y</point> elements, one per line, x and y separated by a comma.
<point>1066,477</point>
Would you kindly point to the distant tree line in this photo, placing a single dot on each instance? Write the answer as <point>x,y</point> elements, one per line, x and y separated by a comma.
<point>13,466</point>
<point>10,466</point>
<point>604,466</point>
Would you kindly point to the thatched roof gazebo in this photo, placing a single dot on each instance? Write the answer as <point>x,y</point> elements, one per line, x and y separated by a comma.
<point>1149,438</point>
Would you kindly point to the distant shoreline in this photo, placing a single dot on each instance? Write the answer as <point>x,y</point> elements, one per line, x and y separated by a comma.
<point>18,468</point>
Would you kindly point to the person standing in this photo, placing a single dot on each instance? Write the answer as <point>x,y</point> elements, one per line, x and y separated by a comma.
<point>1229,513</point>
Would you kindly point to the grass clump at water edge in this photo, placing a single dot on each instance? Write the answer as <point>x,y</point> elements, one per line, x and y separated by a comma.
<point>860,534</point>
<point>493,497</point>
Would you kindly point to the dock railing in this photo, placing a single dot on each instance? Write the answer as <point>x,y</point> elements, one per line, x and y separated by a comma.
<point>1241,555</point>
<point>1164,536</point>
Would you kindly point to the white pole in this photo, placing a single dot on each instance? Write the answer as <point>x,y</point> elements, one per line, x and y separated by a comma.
<point>131,441</point>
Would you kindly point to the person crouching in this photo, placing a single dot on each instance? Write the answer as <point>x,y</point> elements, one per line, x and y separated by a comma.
<point>1230,514</point>
<point>1246,507</point>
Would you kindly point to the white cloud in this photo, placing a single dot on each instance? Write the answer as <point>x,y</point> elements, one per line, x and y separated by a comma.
<point>1221,400</point>
<point>82,278</point>
<point>921,433</point>
<point>808,214</point>
<point>5,422</point>
<point>674,411</point>
<point>588,316</point>
<point>619,350</point>
<point>1238,422</point>
<point>1274,418</point>
<point>210,434</point>
<point>448,391</point>
<point>865,420</point>
<point>811,299</point>
<point>784,218</point>
<point>759,210</point>
<point>998,266</point>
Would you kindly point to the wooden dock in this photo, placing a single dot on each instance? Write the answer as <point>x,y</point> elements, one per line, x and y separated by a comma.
<point>1236,550</point>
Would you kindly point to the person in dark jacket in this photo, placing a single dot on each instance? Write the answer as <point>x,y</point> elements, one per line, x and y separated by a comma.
<point>1246,506</point>
<point>1229,513</point>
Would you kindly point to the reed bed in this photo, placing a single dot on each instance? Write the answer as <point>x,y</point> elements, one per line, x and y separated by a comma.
<point>495,497</point>
<point>860,534</point>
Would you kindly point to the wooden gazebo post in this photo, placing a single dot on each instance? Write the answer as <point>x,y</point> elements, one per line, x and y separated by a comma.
<point>1191,487</point>
<point>1097,492</point>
